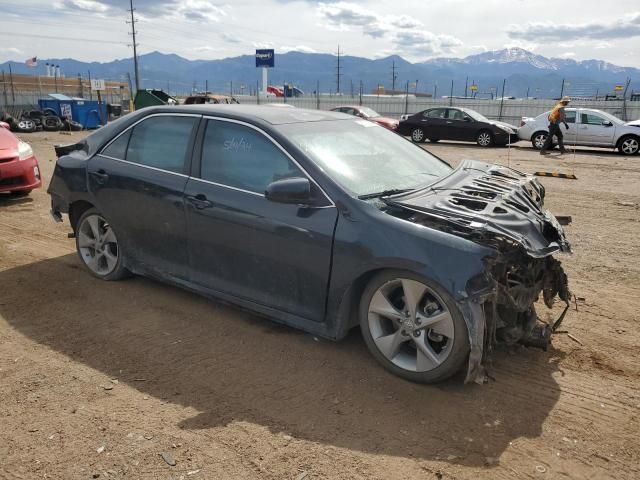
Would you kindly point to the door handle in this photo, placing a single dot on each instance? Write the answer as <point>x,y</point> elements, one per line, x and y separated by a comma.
<point>199,201</point>
<point>100,176</point>
<point>449,121</point>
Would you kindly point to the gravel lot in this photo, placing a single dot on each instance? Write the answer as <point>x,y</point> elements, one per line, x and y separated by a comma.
<point>98,379</point>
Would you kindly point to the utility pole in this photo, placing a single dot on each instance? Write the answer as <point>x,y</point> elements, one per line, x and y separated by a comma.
<point>562,89</point>
<point>394,76</point>
<point>466,84</point>
<point>206,87</point>
<point>338,74</point>
<point>135,45</point>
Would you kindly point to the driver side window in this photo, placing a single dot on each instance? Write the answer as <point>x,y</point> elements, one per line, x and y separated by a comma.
<point>591,119</point>
<point>239,156</point>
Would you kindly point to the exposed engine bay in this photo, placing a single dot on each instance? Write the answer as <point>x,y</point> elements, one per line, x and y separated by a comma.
<point>503,209</point>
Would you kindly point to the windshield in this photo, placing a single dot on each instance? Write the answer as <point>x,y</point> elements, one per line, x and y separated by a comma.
<point>368,112</point>
<point>478,117</point>
<point>608,116</point>
<point>365,158</point>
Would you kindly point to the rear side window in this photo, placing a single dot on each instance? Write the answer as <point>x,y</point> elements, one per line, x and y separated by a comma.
<point>436,113</point>
<point>118,148</point>
<point>571,116</point>
<point>241,157</point>
<point>161,142</point>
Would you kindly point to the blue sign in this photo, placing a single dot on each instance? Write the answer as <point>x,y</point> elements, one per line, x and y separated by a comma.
<point>265,58</point>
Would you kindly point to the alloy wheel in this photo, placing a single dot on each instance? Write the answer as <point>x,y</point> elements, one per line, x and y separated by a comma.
<point>417,135</point>
<point>484,139</point>
<point>98,245</point>
<point>411,325</point>
<point>539,140</point>
<point>630,146</point>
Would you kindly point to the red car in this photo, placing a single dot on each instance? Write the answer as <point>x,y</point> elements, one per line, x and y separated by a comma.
<point>19,170</point>
<point>368,114</point>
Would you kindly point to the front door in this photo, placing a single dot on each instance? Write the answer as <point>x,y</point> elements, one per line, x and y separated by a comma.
<point>592,131</point>
<point>459,126</point>
<point>277,255</point>
<point>138,182</point>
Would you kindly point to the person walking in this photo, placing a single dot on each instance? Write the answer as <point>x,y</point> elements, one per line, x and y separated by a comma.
<point>556,117</point>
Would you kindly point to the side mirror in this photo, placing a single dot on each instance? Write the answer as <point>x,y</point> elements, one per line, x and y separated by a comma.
<point>607,123</point>
<point>289,190</point>
<point>5,125</point>
<point>467,119</point>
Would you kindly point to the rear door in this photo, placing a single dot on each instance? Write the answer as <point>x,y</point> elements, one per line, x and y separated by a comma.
<point>277,255</point>
<point>433,123</point>
<point>138,182</point>
<point>592,131</point>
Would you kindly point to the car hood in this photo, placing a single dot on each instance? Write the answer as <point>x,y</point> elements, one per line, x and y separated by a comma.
<point>635,123</point>
<point>491,205</point>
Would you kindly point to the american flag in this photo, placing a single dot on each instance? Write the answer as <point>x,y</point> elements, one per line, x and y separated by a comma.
<point>32,62</point>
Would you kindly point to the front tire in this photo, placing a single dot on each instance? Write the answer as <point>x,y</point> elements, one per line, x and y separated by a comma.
<point>629,145</point>
<point>98,247</point>
<point>417,135</point>
<point>485,138</point>
<point>412,327</point>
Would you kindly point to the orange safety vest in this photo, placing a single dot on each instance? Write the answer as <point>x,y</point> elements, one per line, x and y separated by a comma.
<point>554,116</point>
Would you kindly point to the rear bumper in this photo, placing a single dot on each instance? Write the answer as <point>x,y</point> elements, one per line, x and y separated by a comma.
<point>20,175</point>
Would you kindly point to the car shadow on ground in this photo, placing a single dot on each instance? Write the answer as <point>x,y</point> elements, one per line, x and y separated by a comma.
<point>232,366</point>
<point>7,199</point>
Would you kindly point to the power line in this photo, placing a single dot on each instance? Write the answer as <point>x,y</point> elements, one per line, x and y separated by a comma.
<point>135,46</point>
<point>58,37</point>
<point>338,74</point>
<point>394,77</point>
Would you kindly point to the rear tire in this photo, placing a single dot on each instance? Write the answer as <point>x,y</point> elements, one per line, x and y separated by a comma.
<point>417,135</point>
<point>98,248</point>
<point>629,145</point>
<point>398,302</point>
<point>538,139</point>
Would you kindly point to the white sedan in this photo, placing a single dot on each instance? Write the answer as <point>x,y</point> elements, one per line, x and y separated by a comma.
<point>587,127</point>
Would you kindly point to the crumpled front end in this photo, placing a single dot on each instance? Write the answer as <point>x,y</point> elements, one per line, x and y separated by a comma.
<point>503,209</point>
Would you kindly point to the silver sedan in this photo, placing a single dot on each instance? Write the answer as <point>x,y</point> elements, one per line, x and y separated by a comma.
<point>587,127</point>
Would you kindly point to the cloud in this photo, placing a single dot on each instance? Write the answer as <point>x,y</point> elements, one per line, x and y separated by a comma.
<point>405,33</point>
<point>12,50</point>
<point>567,55</point>
<point>191,10</point>
<point>297,48</point>
<point>84,5</point>
<point>628,26</point>
<point>230,38</point>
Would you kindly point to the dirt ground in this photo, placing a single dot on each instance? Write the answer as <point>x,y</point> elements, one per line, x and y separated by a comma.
<point>98,379</point>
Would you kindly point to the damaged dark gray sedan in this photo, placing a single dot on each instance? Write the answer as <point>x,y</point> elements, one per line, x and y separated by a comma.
<point>322,222</point>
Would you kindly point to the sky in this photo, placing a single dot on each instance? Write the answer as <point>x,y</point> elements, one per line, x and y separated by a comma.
<point>96,30</point>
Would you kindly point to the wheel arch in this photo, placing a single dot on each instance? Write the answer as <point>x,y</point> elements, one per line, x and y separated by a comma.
<point>347,314</point>
<point>76,209</point>
<point>625,136</point>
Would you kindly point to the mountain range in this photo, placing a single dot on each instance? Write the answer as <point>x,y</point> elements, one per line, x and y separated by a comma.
<point>525,73</point>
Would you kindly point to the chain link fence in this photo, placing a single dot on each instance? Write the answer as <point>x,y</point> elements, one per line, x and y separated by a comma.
<point>507,110</point>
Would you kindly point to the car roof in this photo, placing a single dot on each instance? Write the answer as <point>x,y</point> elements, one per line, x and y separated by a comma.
<point>249,113</point>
